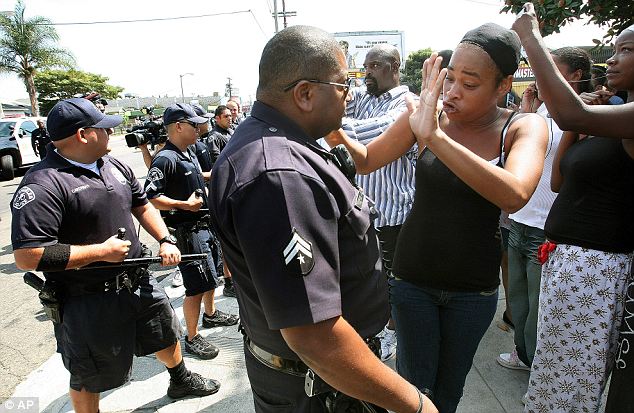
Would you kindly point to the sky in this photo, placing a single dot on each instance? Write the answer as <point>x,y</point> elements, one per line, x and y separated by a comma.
<point>148,58</point>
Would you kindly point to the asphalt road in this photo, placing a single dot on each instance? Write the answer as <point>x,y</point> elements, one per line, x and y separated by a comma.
<point>26,335</point>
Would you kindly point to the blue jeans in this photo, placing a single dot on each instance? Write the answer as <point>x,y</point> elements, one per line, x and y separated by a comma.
<point>525,274</point>
<point>438,334</point>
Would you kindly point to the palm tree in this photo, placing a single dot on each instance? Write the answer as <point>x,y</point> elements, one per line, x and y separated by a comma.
<point>28,45</point>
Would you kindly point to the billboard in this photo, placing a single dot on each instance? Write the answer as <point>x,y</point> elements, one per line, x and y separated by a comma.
<point>357,44</point>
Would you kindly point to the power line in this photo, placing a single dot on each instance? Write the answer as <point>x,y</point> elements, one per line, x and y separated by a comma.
<point>484,2</point>
<point>268,3</point>
<point>150,20</point>
<point>258,23</point>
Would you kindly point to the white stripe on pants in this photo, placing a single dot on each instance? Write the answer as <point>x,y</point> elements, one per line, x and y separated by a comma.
<point>580,308</point>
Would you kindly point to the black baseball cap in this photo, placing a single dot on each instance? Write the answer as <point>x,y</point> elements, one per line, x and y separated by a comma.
<point>67,116</point>
<point>180,112</point>
<point>200,111</point>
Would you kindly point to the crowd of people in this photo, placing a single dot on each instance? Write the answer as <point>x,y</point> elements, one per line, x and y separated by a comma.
<point>358,223</point>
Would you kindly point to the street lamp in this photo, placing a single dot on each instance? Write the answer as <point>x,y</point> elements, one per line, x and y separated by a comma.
<point>181,76</point>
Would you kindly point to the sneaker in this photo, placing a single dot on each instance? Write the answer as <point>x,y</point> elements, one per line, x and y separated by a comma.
<point>511,361</point>
<point>194,385</point>
<point>177,278</point>
<point>201,347</point>
<point>388,343</point>
<point>220,318</point>
<point>229,290</point>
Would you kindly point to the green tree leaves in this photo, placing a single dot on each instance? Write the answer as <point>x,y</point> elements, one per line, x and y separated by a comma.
<point>55,85</point>
<point>614,15</point>
<point>29,45</point>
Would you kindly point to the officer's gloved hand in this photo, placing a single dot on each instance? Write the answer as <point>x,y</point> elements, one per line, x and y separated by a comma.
<point>115,249</point>
<point>194,202</point>
<point>170,253</point>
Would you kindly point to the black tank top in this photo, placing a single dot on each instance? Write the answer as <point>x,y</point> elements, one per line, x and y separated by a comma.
<point>449,239</point>
<point>595,205</point>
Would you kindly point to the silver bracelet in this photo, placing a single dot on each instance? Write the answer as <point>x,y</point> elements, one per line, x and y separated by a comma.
<point>421,404</point>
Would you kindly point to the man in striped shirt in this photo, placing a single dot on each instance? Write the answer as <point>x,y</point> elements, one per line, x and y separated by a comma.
<point>369,113</point>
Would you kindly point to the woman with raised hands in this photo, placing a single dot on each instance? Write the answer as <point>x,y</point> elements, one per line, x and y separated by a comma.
<point>475,159</point>
<point>590,229</point>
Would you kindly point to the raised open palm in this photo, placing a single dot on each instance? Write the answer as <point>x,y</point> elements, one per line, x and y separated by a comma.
<point>424,120</point>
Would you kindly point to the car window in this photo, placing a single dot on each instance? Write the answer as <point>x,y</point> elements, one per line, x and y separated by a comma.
<point>28,126</point>
<point>6,128</point>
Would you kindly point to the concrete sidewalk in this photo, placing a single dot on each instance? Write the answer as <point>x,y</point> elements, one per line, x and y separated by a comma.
<point>489,388</point>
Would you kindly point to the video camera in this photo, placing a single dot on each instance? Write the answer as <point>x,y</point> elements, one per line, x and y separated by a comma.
<point>151,131</point>
<point>94,97</point>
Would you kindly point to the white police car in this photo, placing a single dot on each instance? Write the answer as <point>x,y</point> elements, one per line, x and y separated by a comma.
<point>16,150</point>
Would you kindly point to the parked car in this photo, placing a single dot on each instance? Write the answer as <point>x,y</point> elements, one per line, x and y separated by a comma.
<point>15,145</point>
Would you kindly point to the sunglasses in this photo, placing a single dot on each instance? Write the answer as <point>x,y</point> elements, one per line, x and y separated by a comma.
<point>345,86</point>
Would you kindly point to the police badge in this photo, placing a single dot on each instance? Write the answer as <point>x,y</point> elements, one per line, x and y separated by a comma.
<point>23,197</point>
<point>298,254</point>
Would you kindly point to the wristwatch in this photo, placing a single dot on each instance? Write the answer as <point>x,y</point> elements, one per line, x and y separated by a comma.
<point>170,239</point>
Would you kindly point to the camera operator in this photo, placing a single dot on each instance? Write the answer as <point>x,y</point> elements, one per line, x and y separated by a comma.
<point>175,185</point>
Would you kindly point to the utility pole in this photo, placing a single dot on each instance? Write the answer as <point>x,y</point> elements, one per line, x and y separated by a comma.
<point>275,15</point>
<point>283,14</point>
<point>182,93</point>
<point>228,88</point>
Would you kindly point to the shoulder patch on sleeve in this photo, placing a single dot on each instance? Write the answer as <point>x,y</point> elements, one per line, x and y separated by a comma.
<point>23,197</point>
<point>155,174</point>
<point>298,255</point>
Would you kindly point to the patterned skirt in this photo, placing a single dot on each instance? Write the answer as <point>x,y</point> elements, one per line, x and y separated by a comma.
<point>580,310</point>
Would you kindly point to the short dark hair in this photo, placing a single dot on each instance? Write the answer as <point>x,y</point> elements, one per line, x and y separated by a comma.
<point>297,52</point>
<point>219,110</point>
<point>577,59</point>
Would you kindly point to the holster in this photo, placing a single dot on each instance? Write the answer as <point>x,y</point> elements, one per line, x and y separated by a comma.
<point>51,298</point>
<point>183,238</point>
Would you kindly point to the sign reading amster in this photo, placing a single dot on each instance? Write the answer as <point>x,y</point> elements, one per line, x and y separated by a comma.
<point>298,254</point>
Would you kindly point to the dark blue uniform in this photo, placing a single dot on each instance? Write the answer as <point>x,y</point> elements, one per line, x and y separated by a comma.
<point>58,202</point>
<point>203,156</point>
<point>299,242</point>
<point>177,175</point>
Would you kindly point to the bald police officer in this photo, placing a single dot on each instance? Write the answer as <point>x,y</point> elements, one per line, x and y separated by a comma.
<point>66,213</point>
<point>299,241</point>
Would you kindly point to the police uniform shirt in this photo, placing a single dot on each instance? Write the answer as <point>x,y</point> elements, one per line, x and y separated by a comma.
<point>297,235</point>
<point>58,202</point>
<point>176,176</point>
<point>202,154</point>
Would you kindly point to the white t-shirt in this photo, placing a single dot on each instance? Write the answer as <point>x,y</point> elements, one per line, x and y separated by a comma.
<point>535,212</point>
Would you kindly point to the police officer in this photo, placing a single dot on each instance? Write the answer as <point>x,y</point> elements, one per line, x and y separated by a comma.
<point>66,213</point>
<point>299,241</point>
<point>206,163</point>
<point>221,132</point>
<point>175,185</point>
<point>39,139</point>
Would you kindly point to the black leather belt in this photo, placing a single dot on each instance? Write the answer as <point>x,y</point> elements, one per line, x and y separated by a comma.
<point>127,279</point>
<point>295,367</point>
<point>288,366</point>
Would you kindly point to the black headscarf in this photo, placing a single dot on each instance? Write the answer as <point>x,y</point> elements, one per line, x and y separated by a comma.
<point>503,45</point>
